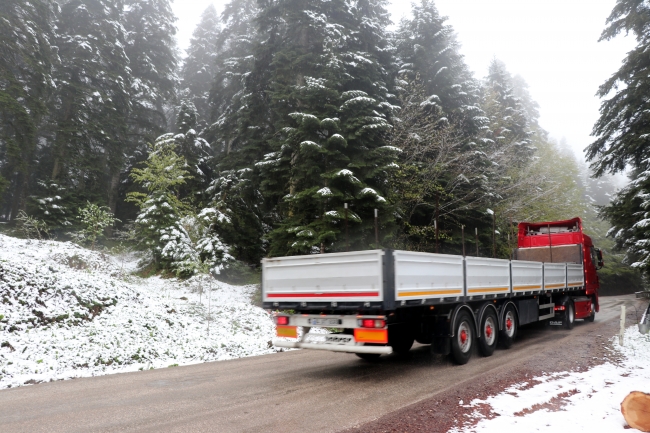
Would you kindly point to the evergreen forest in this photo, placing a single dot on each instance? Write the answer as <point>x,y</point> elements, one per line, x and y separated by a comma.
<point>298,127</point>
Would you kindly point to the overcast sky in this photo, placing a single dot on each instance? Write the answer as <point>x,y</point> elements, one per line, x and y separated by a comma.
<point>552,44</point>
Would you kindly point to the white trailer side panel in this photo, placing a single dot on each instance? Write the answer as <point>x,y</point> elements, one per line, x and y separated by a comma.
<point>355,276</point>
<point>526,276</point>
<point>427,276</point>
<point>554,276</point>
<point>487,276</point>
<point>575,275</point>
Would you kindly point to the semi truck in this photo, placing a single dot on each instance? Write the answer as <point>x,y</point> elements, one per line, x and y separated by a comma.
<point>379,302</point>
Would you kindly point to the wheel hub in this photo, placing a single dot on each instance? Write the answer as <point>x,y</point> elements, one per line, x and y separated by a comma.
<point>488,331</point>
<point>463,336</point>
<point>508,324</point>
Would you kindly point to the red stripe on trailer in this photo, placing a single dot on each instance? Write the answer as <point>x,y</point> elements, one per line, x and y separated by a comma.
<point>321,295</point>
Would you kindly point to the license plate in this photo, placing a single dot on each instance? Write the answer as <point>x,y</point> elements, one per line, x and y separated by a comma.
<point>338,338</point>
<point>555,322</point>
<point>324,322</point>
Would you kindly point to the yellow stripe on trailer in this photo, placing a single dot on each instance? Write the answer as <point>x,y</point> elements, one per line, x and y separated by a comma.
<point>430,293</point>
<point>488,290</point>
<point>526,288</point>
<point>553,286</point>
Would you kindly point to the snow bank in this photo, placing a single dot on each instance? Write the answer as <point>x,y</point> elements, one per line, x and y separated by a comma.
<point>68,312</point>
<point>586,401</point>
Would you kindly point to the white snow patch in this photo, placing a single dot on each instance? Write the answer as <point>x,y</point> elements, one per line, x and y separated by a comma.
<point>68,312</point>
<point>587,401</point>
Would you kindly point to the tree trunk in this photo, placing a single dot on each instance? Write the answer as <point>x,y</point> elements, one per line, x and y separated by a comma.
<point>18,200</point>
<point>636,410</point>
<point>112,198</point>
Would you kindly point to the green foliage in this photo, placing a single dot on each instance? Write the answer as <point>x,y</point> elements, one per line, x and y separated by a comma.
<point>95,219</point>
<point>31,227</point>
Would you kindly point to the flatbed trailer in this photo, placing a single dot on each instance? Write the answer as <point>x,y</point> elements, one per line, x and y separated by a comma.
<point>381,301</point>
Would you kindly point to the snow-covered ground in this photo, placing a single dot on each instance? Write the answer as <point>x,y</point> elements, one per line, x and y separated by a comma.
<point>69,312</point>
<point>586,401</point>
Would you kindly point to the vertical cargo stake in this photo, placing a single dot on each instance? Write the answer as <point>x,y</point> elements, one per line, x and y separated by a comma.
<point>435,222</point>
<point>476,233</point>
<point>462,230</point>
<point>494,236</point>
<point>435,226</point>
<point>376,228</point>
<point>550,242</point>
<point>347,235</point>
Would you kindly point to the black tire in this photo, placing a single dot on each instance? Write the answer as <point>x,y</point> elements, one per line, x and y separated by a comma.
<point>463,340</point>
<point>593,312</point>
<point>509,327</point>
<point>370,357</point>
<point>488,332</point>
<point>569,315</point>
<point>403,344</point>
<point>400,338</point>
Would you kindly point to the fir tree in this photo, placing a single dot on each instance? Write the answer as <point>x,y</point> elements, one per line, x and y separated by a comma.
<point>26,84</point>
<point>92,103</point>
<point>622,134</point>
<point>331,108</point>
<point>151,49</point>
<point>428,52</point>
<point>199,67</point>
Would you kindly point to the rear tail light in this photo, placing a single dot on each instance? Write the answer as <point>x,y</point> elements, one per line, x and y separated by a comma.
<point>371,323</point>
<point>281,320</point>
<point>560,308</point>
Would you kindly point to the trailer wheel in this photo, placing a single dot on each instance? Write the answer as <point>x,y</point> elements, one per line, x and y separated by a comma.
<point>401,339</point>
<point>569,315</point>
<point>593,311</point>
<point>509,330</point>
<point>370,357</point>
<point>488,330</point>
<point>462,342</point>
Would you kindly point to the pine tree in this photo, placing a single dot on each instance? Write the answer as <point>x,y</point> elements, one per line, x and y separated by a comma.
<point>622,135</point>
<point>331,107</point>
<point>199,67</point>
<point>26,84</point>
<point>151,49</point>
<point>235,90</point>
<point>92,103</point>
<point>429,53</point>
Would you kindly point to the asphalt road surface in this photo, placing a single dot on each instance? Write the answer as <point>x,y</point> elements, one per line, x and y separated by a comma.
<point>306,391</point>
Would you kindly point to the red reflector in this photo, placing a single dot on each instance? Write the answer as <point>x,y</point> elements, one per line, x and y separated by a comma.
<point>560,308</point>
<point>282,320</point>
<point>379,336</point>
<point>368,323</point>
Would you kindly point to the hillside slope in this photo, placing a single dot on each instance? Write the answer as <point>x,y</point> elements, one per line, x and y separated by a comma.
<point>69,312</point>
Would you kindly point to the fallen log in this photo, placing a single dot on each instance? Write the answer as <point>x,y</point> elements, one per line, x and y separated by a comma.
<point>636,410</point>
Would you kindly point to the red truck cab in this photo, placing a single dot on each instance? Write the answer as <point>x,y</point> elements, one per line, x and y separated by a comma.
<point>563,241</point>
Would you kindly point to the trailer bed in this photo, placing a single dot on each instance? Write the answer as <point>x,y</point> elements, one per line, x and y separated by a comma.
<point>383,280</point>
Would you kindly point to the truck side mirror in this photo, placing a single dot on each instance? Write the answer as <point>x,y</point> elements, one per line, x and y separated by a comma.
<point>599,254</point>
